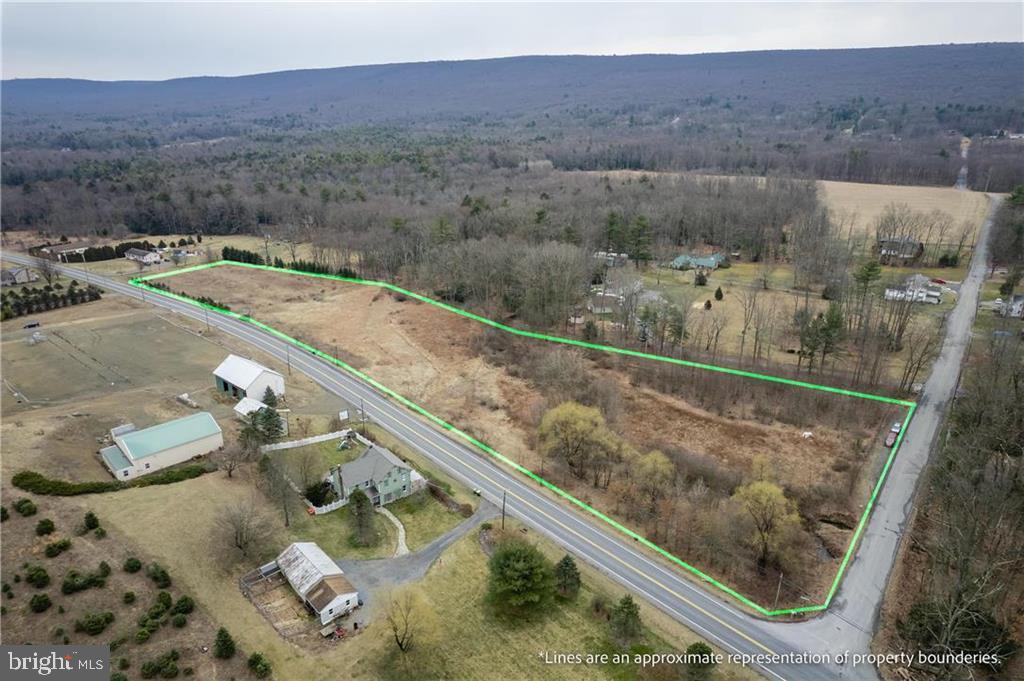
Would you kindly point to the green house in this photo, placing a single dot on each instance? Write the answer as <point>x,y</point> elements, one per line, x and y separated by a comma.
<point>381,475</point>
<point>697,262</point>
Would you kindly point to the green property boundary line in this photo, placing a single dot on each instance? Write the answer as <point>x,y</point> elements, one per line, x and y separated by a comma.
<point>141,282</point>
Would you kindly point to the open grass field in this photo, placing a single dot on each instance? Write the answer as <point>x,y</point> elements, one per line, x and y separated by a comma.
<point>862,204</point>
<point>430,356</point>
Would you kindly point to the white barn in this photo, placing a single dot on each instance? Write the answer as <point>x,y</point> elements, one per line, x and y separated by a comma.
<point>241,377</point>
<point>318,581</point>
<point>143,256</point>
<point>138,452</point>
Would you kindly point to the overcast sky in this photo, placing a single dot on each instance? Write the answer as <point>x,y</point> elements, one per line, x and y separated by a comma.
<point>115,41</point>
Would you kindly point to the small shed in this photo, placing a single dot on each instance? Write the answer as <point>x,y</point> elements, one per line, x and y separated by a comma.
<point>241,377</point>
<point>318,581</point>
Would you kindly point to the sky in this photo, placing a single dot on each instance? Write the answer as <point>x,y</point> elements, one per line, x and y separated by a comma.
<point>155,41</point>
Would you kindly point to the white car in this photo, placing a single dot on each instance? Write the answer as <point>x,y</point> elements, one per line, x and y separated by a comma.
<point>896,427</point>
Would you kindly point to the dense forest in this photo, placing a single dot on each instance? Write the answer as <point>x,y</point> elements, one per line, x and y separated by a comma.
<point>367,145</point>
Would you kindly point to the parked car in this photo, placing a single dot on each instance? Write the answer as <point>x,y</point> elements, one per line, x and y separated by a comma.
<point>896,427</point>
<point>890,438</point>
<point>31,325</point>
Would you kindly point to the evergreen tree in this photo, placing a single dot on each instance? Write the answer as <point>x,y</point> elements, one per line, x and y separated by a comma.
<point>223,645</point>
<point>269,397</point>
<point>269,420</point>
<point>718,293</point>
<point>625,620</point>
<point>362,518</point>
<point>567,577</point>
<point>521,579</point>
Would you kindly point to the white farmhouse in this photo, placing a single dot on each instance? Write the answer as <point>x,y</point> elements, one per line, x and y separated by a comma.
<point>143,256</point>
<point>138,452</point>
<point>318,581</point>
<point>241,377</point>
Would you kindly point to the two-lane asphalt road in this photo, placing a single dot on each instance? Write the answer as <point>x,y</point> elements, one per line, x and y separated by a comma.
<point>720,621</point>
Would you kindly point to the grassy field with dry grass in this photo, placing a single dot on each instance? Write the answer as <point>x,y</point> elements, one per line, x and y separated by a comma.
<point>433,357</point>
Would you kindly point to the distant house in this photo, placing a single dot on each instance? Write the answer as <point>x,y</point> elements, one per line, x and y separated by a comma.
<point>919,283</point>
<point>17,275</point>
<point>915,295</point>
<point>63,251</point>
<point>138,452</point>
<point>318,581</point>
<point>603,303</point>
<point>903,248</point>
<point>241,377</point>
<point>697,262</point>
<point>143,256</point>
<point>381,475</point>
<point>1014,308</point>
<point>612,259</point>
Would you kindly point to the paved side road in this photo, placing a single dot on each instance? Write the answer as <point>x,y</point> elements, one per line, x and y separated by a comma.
<point>847,626</point>
<point>853,617</point>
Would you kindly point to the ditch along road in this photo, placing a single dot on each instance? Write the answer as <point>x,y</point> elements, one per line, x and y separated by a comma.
<point>772,648</point>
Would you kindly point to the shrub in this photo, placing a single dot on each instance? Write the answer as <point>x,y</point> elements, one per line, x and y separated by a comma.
<point>123,663</point>
<point>259,666</point>
<point>37,576</point>
<point>75,581</point>
<point>100,533</point>
<point>166,666</point>
<point>37,483</point>
<point>486,526</point>
<point>91,521</point>
<point>132,565</point>
<point>4,515</point>
<point>141,636</point>
<point>129,597</point>
<point>118,676</point>
<point>184,606</point>
<point>702,657</point>
<point>39,603</point>
<point>165,600</point>
<point>178,621</point>
<point>223,645</point>
<point>521,579</point>
<point>159,575</point>
<point>44,527</point>
<point>25,507</point>
<point>58,547</point>
<point>104,569</point>
<point>94,623</point>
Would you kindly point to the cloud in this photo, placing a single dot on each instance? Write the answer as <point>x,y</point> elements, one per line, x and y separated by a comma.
<point>112,41</point>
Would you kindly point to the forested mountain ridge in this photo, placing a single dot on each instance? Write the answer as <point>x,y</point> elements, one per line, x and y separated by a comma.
<point>369,144</point>
<point>655,85</point>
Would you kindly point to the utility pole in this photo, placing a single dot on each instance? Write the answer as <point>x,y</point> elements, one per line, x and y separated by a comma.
<point>362,416</point>
<point>288,357</point>
<point>778,590</point>
<point>504,494</point>
<point>206,311</point>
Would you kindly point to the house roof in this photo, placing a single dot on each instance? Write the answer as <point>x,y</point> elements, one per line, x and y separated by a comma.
<point>139,444</point>
<point>313,574</point>
<point>139,252</point>
<point>372,465</point>
<point>240,371</point>
<point>327,589</point>
<point>706,261</point>
<point>115,458</point>
<point>248,405</point>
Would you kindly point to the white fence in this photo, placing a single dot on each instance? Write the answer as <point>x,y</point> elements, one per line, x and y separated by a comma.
<point>292,444</point>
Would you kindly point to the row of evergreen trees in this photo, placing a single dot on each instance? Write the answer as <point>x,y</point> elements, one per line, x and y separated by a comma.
<point>50,297</point>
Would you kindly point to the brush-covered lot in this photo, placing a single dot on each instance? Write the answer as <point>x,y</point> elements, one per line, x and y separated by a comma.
<point>710,435</point>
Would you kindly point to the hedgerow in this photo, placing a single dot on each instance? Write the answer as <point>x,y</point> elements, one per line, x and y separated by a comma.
<point>37,483</point>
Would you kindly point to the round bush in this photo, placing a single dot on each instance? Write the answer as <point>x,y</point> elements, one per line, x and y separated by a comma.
<point>132,565</point>
<point>44,527</point>
<point>142,635</point>
<point>179,621</point>
<point>129,597</point>
<point>40,603</point>
<point>259,666</point>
